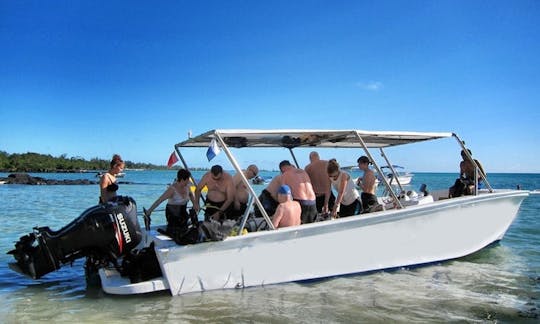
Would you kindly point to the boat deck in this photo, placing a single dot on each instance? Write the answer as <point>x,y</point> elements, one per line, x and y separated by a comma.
<point>113,283</point>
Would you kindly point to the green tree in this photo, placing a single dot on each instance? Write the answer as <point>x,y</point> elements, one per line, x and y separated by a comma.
<point>35,162</point>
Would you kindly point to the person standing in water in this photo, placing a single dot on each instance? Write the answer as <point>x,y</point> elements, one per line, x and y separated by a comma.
<point>107,182</point>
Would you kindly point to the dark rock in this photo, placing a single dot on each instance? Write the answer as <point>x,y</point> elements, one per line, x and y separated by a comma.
<point>25,178</point>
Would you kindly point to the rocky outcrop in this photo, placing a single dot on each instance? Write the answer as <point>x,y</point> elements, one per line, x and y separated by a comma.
<point>25,178</point>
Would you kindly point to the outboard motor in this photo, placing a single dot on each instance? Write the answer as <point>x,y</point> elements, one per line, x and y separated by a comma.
<point>104,233</point>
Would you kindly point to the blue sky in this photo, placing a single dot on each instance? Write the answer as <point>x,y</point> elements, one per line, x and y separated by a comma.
<point>94,78</point>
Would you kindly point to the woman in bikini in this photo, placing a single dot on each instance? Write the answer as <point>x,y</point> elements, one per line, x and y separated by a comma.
<point>178,195</point>
<point>107,183</point>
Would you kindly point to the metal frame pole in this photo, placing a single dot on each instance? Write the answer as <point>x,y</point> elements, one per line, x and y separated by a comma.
<point>388,186</point>
<point>476,167</point>
<point>243,177</point>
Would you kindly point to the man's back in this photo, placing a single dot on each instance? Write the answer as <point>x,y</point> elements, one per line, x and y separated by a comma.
<point>299,182</point>
<point>287,214</point>
<point>467,169</point>
<point>316,171</point>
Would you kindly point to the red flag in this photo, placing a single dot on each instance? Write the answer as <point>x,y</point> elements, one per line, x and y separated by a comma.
<point>172,159</point>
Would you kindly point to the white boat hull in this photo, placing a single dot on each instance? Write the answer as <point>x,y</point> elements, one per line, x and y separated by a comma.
<point>403,180</point>
<point>426,233</point>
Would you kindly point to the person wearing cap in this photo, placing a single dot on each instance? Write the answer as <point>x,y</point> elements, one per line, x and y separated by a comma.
<point>288,211</point>
<point>302,190</point>
<point>368,184</point>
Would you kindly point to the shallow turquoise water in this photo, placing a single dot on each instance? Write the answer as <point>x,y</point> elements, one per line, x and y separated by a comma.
<point>499,284</point>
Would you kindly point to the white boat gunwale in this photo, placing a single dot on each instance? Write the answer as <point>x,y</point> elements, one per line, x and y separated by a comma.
<point>385,216</point>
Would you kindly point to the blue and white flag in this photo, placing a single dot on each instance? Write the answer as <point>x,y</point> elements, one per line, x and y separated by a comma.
<point>213,150</point>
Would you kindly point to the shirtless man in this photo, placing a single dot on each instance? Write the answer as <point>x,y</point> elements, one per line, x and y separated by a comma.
<point>288,211</point>
<point>268,197</point>
<point>466,167</point>
<point>273,187</point>
<point>241,195</point>
<point>467,172</point>
<point>316,170</point>
<point>368,184</point>
<point>220,194</point>
<point>302,190</point>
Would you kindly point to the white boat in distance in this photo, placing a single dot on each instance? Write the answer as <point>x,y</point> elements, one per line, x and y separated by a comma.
<point>403,178</point>
<point>410,231</point>
<point>118,175</point>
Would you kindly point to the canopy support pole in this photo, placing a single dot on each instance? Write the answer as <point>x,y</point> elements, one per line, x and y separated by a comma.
<point>177,149</point>
<point>477,170</point>
<point>394,173</point>
<point>388,186</point>
<point>294,157</point>
<point>244,179</point>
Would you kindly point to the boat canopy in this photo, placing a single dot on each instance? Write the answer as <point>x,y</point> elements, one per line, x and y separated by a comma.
<point>308,138</point>
<point>292,138</point>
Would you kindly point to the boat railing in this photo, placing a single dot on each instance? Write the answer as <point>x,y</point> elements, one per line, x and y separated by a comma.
<point>388,186</point>
<point>395,175</point>
<point>246,183</point>
<point>477,169</point>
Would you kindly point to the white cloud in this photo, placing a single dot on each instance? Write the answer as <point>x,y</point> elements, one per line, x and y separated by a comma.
<point>370,86</point>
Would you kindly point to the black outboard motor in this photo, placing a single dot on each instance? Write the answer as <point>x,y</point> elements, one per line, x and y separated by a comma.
<point>104,232</point>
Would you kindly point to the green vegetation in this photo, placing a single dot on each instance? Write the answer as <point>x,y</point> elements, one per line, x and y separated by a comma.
<point>35,162</point>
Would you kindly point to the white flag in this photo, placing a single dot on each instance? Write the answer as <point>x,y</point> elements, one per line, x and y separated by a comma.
<point>213,150</point>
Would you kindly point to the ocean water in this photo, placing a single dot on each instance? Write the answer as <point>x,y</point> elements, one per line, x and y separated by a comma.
<point>498,284</point>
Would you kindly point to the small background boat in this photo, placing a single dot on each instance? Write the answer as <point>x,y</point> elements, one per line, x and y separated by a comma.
<point>404,177</point>
<point>259,180</point>
<point>119,175</point>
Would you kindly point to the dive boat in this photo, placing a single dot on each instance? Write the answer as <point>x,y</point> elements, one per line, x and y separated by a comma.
<point>391,173</point>
<point>118,175</point>
<point>395,172</point>
<point>407,231</point>
<point>258,180</point>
